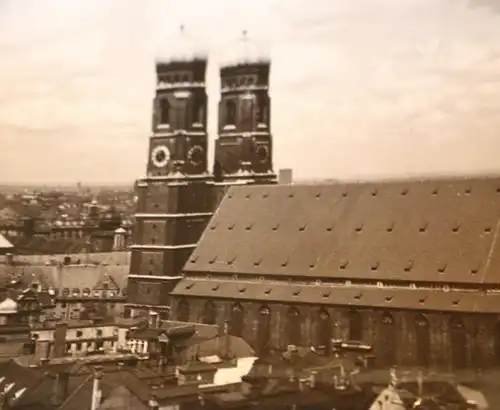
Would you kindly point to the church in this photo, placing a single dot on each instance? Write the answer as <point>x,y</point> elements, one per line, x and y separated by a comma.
<point>411,267</point>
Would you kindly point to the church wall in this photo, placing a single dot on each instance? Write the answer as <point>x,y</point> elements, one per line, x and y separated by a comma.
<point>394,334</point>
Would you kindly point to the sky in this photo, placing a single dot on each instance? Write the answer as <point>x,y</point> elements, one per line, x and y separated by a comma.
<point>360,88</point>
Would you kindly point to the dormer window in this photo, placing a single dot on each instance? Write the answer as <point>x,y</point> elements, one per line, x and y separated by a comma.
<point>65,292</point>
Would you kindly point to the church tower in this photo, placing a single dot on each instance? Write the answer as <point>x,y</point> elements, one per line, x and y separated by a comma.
<point>243,149</point>
<point>175,197</point>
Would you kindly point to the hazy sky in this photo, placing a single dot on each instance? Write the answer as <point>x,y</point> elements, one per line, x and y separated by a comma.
<point>359,87</point>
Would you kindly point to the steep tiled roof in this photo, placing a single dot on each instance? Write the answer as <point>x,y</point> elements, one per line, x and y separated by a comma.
<point>418,231</point>
<point>67,276</point>
<point>39,244</point>
<point>371,296</point>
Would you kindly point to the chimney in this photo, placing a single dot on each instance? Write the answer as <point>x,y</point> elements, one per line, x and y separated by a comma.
<point>285,176</point>
<point>60,339</point>
<point>153,403</point>
<point>60,388</point>
<point>9,259</point>
<point>312,380</point>
<point>96,389</point>
<point>153,319</point>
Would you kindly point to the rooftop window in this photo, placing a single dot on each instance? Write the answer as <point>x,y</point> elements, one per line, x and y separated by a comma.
<point>409,266</point>
<point>404,192</point>
<point>388,299</point>
<point>344,264</point>
<point>442,268</point>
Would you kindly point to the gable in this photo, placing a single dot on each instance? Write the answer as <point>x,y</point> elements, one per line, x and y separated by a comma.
<point>420,231</point>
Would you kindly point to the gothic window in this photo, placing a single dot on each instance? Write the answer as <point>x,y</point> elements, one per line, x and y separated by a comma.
<point>324,330</point>
<point>387,340</point>
<point>264,330</point>
<point>237,320</point>
<point>423,340</point>
<point>458,343</point>
<point>164,111</point>
<point>293,326</point>
<point>262,109</point>
<point>199,112</point>
<point>230,112</point>
<point>183,311</point>
<point>355,326</point>
<point>209,316</point>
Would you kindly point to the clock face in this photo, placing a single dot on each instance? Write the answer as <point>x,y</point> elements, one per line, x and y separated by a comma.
<point>262,153</point>
<point>160,156</point>
<point>196,155</point>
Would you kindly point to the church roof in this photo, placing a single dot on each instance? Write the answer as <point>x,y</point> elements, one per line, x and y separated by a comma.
<point>441,230</point>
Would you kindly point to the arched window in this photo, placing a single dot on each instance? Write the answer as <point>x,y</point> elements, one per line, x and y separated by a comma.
<point>294,326</point>
<point>458,343</point>
<point>183,311</point>
<point>386,353</point>
<point>209,316</point>
<point>237,320</point>
<point>164,111</point>
<point>264,330</point>
<point>218,174</point>
<point>230,112</point>
<point>262,109</point>
<point>423,340</point>
<point>65,292</point>
<point>355,326</point>
<point>324,331</point>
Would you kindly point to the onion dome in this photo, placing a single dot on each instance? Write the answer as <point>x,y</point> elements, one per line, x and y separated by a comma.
<point>182,47</point>
<point>245,52</point>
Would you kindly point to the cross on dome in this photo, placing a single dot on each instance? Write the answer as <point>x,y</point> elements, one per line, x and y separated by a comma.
<point>246,51</point>
<point>182,47</point>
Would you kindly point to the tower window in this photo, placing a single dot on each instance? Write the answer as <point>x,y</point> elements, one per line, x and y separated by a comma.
<point>164,111</point>
<point>261,109</point>
<point>230,112</point>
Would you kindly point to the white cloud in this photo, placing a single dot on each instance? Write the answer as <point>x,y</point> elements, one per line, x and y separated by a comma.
<point>359,88</point>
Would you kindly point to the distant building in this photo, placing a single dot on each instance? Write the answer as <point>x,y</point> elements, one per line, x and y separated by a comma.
<point>82,286</point>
